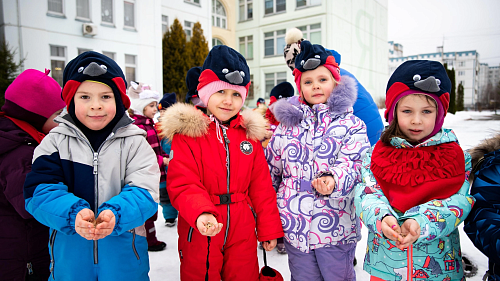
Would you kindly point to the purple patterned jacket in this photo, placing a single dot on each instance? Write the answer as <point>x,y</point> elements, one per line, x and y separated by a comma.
<point>326,138</point>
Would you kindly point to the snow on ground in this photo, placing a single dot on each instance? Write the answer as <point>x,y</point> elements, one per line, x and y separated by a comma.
<point>470,128</point>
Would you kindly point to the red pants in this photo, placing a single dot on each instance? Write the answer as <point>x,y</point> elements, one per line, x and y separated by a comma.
<point>151,230</point>
<point>238,260</point>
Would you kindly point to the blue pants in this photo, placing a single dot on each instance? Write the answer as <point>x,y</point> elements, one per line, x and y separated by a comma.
<point>328,263</point>
<point>169,212</point>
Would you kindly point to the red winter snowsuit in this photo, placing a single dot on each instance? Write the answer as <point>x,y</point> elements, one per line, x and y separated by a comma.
<point>197,173</point>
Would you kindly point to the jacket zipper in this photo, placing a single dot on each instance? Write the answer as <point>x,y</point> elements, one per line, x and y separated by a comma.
<point>133,243</point>
<point>190,234</point>
<point>52,261</point>
<point>226,146</point>
<point>30,268</point>
<point>96,200</point>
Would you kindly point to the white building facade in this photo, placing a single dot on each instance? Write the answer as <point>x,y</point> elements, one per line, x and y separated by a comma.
<point>50,33</point>
<point>466,65</point>
<point>355,29</point>
<point>188,12</point>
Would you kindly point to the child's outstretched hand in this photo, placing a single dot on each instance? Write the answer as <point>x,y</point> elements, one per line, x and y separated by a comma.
<point>324,185</point>
<point>410,230</point>
<point>105,224</point>
<point>269,245</point>
<point>207,225</point>
<point>84,224</point>
<point>165,161</point>
<point>391,229</point>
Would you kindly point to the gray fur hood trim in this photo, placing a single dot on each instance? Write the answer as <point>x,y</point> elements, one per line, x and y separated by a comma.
<point>486,146</point>
<point>343,97</point>
<point>185,119</point>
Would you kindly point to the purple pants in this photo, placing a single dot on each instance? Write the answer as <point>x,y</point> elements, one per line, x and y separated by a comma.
<point>328,263</point>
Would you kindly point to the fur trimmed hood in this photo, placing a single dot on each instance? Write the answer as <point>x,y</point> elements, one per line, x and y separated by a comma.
<point>343,97</point>
<point>485,147</point>
<point>185,119</point>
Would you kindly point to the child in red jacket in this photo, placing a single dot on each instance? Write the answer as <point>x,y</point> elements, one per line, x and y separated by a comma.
<point>218,178</point>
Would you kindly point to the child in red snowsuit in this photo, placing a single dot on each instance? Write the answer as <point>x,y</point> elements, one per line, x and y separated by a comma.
<point>218,178</point>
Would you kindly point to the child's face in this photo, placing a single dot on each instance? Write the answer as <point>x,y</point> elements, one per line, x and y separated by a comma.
<point>317,85</point>
<point>225,104</point>
<point>150,110</point>
<point>416,117</point>
<point>50,124</point>
<point>94,105</point>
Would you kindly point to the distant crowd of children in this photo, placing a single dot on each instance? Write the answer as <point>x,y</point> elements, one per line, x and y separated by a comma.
<point>84,167</point>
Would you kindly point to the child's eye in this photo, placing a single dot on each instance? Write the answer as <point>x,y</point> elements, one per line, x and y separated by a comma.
<point>427,111</point>
<point>236,94</point>
<point>106,96</point>
<point>323,79</point>
<point>84,97</point>
<point>307,82</point>
<point>406,111</point>
<point>220,91</point>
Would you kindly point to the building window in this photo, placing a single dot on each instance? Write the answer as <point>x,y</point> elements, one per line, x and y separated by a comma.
<point>303,3</point>
<point>110,55</point>
<point>57,62</point>
<point>246,47</point>
<point>217,41</point>
<point>188,28</point>
<point>83,9</point>
<point>312,32</point>
<point>250,89</point>
<point>246,10</point>
<point>164,24</point>
<point>130,68</point>
<point>83,50</point>
<point>107,11</point>
<point>274,42</point>
<point>128,19</point>
<point>273,79</point>
<point>462,63</point>
<point>193,1</point>
<point>274,6</point>
<point>461,73</point>
<point>55,7</point>
<point>218,14</point>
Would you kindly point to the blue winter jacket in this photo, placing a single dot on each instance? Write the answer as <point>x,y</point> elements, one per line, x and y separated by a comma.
<point>364,108</point>
<point>68,175</point>
<point>483,223</point>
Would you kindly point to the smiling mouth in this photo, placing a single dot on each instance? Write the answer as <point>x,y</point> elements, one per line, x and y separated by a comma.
<point>416,131</point>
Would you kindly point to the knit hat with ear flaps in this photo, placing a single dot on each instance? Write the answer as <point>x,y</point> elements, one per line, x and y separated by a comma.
<point>33,97</point>
<point>96,67</point>
<point>310,57</point>
<point>224,68</point>
<point>293,38</point>
<point>140,96</point>
<point>282,90</point>
<point>419,76</point>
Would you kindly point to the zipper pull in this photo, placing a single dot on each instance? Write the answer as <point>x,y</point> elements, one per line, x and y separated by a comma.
<point>95,163</point>
<point>30,268</point>
<point>225,135</point>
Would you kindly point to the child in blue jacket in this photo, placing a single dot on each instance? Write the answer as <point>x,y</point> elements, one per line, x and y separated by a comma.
<point>483,222</point>
<point>94,179</point>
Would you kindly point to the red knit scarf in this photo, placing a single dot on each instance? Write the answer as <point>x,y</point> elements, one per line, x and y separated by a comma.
<point>412,176</point>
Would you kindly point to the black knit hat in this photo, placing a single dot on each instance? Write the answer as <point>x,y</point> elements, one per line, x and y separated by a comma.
<point>168,100</point>
<point>282,90</point>
<point>192,82</point>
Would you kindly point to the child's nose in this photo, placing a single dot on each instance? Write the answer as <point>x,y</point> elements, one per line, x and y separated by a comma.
<point>96,105</point>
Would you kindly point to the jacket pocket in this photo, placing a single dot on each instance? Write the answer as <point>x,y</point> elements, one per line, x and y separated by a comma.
<point>52,261</point>
<point>133,244</point>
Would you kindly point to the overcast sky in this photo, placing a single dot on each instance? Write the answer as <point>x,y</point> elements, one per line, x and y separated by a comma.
<point>462,25</point>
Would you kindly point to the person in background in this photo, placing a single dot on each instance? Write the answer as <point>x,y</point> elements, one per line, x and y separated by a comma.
<point>143,108</point>
<point>169,212</point>
<point>483,223</point>
<point>364,107</point>
<point>314,158</point>
<point>415,189</point>
<point>217,176</point>
<point>94,178</point>
<point>192,95</point>
<point>32,101</point>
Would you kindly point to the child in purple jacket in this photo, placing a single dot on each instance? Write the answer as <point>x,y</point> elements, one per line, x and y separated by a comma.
<point>314,157</point>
